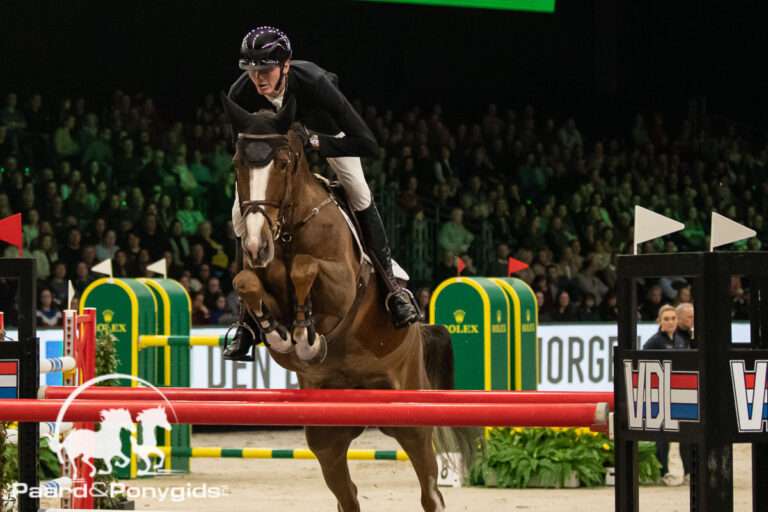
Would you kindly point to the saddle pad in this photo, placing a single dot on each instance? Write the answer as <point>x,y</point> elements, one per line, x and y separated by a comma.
<point>399,272</point>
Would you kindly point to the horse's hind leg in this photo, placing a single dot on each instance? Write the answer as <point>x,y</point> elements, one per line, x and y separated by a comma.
<point>417,443</point>
<point>330,445</point>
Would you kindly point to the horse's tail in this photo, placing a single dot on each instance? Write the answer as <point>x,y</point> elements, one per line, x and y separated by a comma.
<point>438,360</point>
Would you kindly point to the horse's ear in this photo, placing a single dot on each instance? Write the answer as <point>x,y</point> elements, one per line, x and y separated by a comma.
<point>286,115</point>
<point>238,118</point>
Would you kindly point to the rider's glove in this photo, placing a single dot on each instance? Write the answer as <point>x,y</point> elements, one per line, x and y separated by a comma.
<point>308,139</point>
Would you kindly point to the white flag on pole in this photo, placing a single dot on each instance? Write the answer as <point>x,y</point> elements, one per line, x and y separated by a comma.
<point>650,225</point>
<point>105,267</point>
<point>724,231</point>
<point>70,294</point>
<point>159,267</point>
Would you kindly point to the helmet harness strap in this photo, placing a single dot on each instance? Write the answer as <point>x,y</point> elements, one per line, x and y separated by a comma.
<point>282,74</point>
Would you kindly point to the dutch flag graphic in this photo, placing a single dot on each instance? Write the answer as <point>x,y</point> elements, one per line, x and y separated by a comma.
<point>684,391</point>
<point>9,383</point>
<point>749,379</point>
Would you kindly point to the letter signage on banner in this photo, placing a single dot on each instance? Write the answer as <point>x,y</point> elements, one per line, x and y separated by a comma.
<point>572,357</point>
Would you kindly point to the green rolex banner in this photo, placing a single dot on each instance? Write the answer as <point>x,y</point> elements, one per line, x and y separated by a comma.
<point>492,324</point>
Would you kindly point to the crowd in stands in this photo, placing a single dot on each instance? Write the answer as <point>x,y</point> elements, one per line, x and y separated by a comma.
<point>126,182</point>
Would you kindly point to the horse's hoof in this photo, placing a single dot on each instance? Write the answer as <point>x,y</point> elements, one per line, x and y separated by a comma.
<point>279,341</point>
<point>313,354</point>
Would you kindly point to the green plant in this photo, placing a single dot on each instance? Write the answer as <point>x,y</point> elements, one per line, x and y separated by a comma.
<point>106,357</point>
<point>648,466</point>
<point>512,456</point>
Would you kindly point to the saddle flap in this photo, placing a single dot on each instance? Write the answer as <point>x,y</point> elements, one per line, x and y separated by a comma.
<point>337,192</point>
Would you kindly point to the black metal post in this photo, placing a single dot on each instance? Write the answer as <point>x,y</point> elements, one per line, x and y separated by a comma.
<point>26,351</point>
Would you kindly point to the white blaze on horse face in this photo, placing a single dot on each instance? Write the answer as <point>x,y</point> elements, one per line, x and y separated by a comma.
<point>254,222</point>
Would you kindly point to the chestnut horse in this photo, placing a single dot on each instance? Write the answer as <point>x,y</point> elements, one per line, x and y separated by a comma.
<point>319,311</point>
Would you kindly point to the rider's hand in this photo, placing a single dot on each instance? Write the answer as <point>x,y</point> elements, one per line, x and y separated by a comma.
<point>308,139</point>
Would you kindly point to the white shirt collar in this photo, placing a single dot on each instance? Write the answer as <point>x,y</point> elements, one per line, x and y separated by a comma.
<point>277,101</point>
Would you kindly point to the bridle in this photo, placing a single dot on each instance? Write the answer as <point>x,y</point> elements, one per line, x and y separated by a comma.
<point>275,141</point>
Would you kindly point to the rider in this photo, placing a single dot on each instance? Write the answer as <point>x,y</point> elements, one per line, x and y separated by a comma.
<point>339,134</point>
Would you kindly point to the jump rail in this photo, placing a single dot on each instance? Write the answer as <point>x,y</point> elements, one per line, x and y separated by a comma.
<point>335,395</point>
<point>322,413</point>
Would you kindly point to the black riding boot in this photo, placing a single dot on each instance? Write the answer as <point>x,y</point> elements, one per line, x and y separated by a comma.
<point>399,302</point>
<point>238,348</point>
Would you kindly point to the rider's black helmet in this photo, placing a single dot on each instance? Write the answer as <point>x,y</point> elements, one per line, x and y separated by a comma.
<point>263,48</point>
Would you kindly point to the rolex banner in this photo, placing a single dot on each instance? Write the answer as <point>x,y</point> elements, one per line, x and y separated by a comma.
<point>492,323</point>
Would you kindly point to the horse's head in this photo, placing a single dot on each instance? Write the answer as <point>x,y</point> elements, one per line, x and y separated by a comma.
<point>266,157</point>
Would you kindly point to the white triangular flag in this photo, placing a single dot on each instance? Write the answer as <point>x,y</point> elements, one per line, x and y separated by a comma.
<point>724,231</point>
<point>105,267</point>
<point>159,267</point>
<point>70,294</point>
<point>650,225</point>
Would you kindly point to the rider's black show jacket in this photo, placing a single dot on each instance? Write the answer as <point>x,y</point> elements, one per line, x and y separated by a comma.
<point>321,107</point>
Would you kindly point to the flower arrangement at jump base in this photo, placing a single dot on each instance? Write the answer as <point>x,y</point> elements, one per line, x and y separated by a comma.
<point>550,457</point>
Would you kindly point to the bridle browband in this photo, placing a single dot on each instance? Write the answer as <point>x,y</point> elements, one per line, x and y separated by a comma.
<point>277,228</point>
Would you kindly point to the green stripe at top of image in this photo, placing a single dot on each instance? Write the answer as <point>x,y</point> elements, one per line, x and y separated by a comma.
<point>509,5</point>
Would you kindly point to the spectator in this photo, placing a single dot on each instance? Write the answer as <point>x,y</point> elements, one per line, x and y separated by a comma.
<point>649,309</point>
<point>58,283</point>
<point>588,311</point>
<point>569,135</point>
<point>13,119</point>
<point>220,314</point>
<point>70,253</point>
<point>121,266</point>
<point>665,338</point>
<point>454,236</point>
<point>189,216</point>
<point>587,282</point>
<point>564,312</point>
<point>108,247</point>
<point>179,244</point>
<point>82,278</point>
<point>63,142</point>
<point>196,260</point>
<point>200,313</point>
<point>44,251</point>
<point>684,312</point>
<point>214,252</point>
<point>152,239</point>
<point>47,313</point>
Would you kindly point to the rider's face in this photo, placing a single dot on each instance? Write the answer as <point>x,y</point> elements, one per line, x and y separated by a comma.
<point>265,80</point>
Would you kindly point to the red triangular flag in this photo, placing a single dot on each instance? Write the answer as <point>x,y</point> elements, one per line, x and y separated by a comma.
<point>515,266</point>
<point>461,266</point>
<point>10,230</point>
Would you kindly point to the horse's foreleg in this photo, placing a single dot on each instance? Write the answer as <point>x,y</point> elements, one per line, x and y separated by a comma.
<point>330,445</point>
<point>310,346</point>
<point>251,290</point>
<point>417,443</point>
